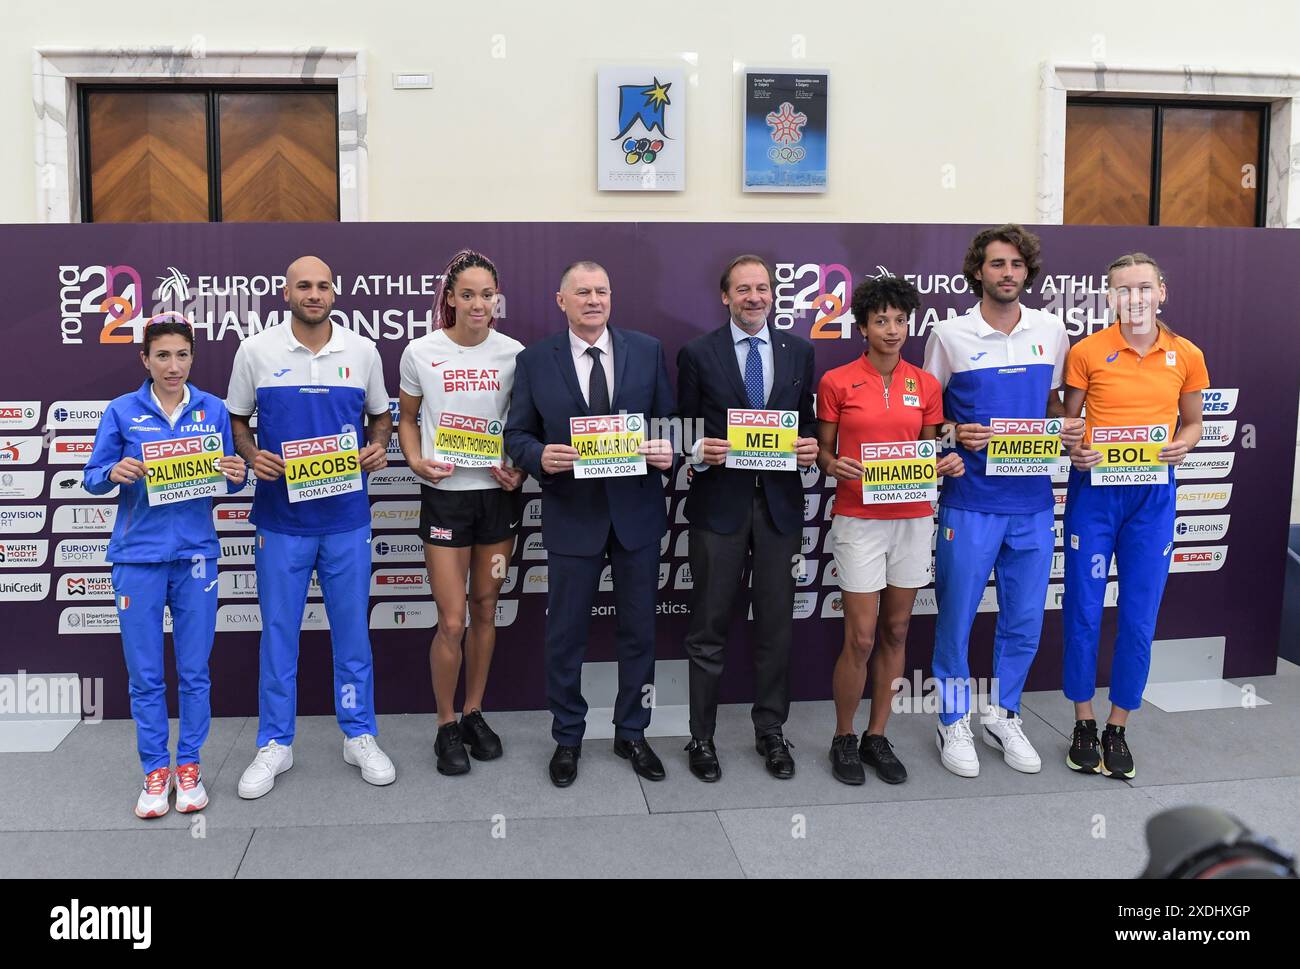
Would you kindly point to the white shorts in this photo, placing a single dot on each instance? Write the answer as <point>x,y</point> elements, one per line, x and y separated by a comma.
<point>871,553</point>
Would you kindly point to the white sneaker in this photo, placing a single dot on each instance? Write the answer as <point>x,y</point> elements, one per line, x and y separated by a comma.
<point>259,777</point>
<point>152,802</point>
<point>375,766</point>
<point>956,746</point>
<point>1006,734</point>
<point>190,793</point>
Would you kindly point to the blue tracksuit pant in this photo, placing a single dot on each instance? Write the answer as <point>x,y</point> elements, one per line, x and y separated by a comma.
<point>142,590</point>
<point>284,567</point>
<point>1018,550</point>
<point>1135,524</point>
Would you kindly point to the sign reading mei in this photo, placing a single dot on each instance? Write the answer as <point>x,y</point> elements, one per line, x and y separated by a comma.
<point>899,471</point>
<point>318,467</point>
<point>608,446</point>
<point>182,469</point>
<point>1130,455</point>
<point>467,442</point>
<point>762,440</point>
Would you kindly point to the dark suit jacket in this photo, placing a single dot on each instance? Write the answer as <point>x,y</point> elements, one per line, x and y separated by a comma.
<point>708,382</point>
<point>577,514</point>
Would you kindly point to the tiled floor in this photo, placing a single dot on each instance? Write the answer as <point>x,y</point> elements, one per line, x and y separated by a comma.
<point>505,818</point>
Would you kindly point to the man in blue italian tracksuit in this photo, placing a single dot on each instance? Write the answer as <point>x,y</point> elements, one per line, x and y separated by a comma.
<point>999,360</point>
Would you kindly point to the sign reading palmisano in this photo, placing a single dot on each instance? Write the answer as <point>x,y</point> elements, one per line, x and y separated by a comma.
<point>394,514</point>
<point>19,415</point>
<point>81,551</point>
<point>236,550</point>
<point>21,519</point>
<point>23,553</point>
<point>75,449</point>
<point>397,548</point>
<point>394,481</point>
<point>98,620</point>
<point>85,586</point>
<point>21,484</point>
<point>84,518</point>
<point>1204,497</point>
<point>1215,464</point>
<point>403,615</point>
<point>20,450</point>
<point>24,586</point>
<point>76,414</point>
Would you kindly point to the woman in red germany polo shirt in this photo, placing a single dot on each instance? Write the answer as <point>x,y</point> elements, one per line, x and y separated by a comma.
<point>882,550</point>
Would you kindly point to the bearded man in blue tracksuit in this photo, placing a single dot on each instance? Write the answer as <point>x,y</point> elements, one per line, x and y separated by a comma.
<point>164,555</point>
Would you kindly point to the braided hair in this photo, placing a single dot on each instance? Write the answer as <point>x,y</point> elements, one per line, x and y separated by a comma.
<point>465,259</point>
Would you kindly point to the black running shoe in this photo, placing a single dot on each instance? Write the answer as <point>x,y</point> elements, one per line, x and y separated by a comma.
<point>1085,749</point>
<point>876,751</point>
<point>450,750</point>
<point>482,741</point>
<point>1116,760</point>
<point>846,765</point>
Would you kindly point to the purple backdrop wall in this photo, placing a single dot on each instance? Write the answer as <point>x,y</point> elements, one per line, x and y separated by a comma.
<point>1233,292</point>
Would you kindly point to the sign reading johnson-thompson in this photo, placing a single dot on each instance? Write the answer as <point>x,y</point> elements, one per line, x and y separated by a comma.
<point>182,469</point>
<point>467,442</point>
<point>899,471</point>
<point>318,467</point>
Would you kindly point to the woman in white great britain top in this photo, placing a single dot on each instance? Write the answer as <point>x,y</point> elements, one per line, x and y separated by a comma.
<point>458,380</point>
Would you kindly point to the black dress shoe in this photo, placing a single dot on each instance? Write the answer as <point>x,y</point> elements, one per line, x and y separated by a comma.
<point>564,765</point>
<point>776,751</point>
<point>878,752</point>
<point>482,741</point>
<point>644,760</point>
<point>704,760</point>
<point>449,747</point>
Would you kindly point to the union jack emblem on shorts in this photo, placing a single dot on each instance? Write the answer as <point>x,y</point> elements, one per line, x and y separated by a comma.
<point>440,533</point>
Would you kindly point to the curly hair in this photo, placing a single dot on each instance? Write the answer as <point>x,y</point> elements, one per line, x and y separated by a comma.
<point>888,292</point>
<point>465,259</point>
<point>1026,244</point>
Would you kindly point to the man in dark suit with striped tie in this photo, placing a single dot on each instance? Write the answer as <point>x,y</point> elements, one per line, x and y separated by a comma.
<point>592,369</point>
<point>736,513</point>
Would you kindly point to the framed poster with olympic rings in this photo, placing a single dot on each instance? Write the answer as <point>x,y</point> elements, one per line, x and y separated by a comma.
<point>785,131</point>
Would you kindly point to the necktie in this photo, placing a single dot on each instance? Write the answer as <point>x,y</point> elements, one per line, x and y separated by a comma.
<point>754,374</point>
<point>598,388</point>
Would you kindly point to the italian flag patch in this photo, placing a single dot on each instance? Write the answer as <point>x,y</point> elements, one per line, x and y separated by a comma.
<point>345,372</point>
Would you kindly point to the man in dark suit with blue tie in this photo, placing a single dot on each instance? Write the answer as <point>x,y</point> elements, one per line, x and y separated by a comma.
<point>593,369</point>
<point>734,513</point>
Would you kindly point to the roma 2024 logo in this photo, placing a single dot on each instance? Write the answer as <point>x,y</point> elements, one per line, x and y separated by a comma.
<point>822,289</point>
<point>117,292</point>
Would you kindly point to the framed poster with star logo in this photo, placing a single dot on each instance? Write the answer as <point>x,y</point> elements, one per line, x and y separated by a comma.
<point>785,131</point>
<point>641,129</point>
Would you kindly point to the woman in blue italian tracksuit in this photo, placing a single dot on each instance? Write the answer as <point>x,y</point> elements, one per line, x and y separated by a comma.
<point>164,555</point>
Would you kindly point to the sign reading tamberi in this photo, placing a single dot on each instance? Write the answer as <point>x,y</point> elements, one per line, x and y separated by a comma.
<point>467,442</point>
<point>319,467</point>
<point>182,469</point>
<point>1130,455</point>
<point>762,440</point>
<point>1024,446</point>
<point>899,471</point>
<point>607,446</point>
